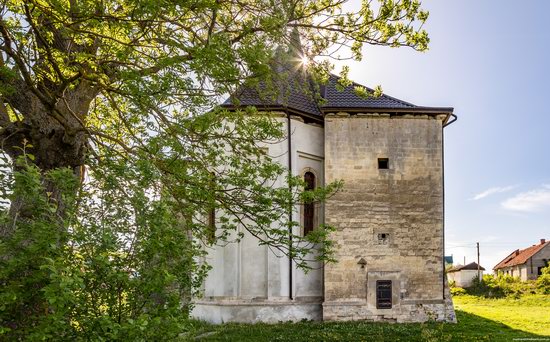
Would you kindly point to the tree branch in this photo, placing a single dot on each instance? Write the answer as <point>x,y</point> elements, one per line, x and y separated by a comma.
<point>4,116</point>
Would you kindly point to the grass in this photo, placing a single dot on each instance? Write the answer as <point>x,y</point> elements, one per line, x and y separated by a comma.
<point>529,313</point>
<point>479,320</point>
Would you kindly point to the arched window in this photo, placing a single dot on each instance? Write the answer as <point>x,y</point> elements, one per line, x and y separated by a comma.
<point>309,208</point>
<point>212,225</point>
<point>211,215</point>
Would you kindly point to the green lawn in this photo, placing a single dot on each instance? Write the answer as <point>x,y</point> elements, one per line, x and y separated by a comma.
<point>530,313</point>
<point>479,320</point>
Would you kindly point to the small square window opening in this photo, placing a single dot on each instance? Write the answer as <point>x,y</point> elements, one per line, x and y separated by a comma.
<point>383,163</point>
<point>383,238</point>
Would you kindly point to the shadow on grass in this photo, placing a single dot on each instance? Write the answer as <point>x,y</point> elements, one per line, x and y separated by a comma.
<point>469,328</point>
<point>474,327</point>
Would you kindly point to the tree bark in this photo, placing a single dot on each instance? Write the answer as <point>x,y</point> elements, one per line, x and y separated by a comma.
<point>53,143</point>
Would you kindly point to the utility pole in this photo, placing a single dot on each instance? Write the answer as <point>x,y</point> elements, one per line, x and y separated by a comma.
<point>478,270</point>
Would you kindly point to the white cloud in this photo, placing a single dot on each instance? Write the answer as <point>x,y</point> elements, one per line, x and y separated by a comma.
<point>530,201</point>
<point>491,191</point>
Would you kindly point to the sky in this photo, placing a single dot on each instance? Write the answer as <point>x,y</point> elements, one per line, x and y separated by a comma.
<point>490,60</point>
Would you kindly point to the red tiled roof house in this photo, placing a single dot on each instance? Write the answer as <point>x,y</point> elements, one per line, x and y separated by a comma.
<point>526,263</point>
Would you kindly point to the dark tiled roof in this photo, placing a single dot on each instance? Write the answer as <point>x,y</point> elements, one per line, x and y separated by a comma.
<point>519,257</point>
<point>297,94</point>
<point>347,98</point>
<point>470,266</point>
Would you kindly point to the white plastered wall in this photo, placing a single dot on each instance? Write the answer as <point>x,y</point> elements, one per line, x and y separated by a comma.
<point>463,278</point>
<point>246,273</point>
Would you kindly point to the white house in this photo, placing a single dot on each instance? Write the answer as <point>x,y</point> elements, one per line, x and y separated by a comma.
<point>464,275</point>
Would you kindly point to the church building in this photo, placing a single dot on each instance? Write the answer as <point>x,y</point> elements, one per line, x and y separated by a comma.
<point>389,216</point>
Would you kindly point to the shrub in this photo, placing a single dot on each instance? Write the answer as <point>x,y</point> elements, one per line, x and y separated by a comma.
<point>96,275</point>
<point>501,285</point>
<point>543,281</point>
<point>458,291</point>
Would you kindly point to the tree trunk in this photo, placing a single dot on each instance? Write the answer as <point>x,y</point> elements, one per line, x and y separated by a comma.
<point>49,143</point>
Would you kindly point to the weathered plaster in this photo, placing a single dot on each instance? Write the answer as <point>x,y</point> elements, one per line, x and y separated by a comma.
<point>249,273</point>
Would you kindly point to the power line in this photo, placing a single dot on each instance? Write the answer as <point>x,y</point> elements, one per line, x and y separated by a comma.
<point>472,244</point>
<point>460,247</point>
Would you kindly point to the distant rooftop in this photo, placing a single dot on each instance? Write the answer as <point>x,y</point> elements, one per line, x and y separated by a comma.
<point>470,266</point>
<point>519,257</point>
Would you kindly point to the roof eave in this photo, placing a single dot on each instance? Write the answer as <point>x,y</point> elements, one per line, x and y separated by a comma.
<point>400,110</point>
<point>506,266</point>
<point>286,109</point>
<point>432,111</point>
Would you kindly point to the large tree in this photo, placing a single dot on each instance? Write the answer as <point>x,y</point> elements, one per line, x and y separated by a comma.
<point>78,74</point>
<point>123,93</point>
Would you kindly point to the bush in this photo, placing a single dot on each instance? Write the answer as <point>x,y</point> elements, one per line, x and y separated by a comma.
<point>502,285</point>
<point>458,291</point>
<point>97,274</point>
<point>543,282</point>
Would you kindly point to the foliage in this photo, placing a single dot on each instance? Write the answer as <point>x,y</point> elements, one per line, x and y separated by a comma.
<point>137,81</point>
<point>502,285</point>
<point>543,281</point>
<point>107,275</point>
<point>457,291</point>
<point>114,73</point>
<point>118,152</point>
<point>122,260</point>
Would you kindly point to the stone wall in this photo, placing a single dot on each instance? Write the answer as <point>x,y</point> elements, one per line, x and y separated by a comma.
<point>391,218</point>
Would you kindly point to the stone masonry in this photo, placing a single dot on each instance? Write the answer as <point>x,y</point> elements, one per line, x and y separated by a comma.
<point>390,218</point>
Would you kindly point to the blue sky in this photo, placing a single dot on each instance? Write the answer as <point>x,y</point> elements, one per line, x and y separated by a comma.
<point>490,60</point>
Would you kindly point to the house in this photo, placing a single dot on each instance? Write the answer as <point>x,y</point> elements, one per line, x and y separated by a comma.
<point>389,217</point>
<point>464,275</point>
<point>527,264</point>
